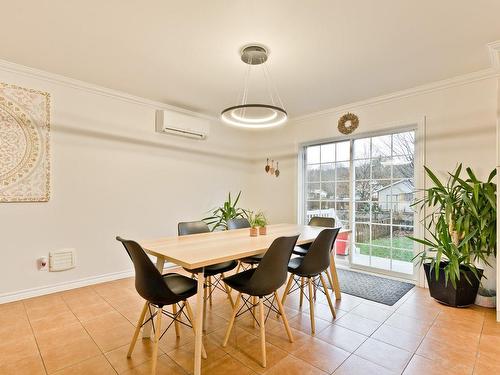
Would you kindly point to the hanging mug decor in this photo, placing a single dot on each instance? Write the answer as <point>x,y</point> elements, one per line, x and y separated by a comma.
<point>270,168</point>
<point>348,123</point>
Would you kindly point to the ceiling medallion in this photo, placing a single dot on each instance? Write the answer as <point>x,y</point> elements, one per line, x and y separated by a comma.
<point>256,115</point>
<point>348,123</point>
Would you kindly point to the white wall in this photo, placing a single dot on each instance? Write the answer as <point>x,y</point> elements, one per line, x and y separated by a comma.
<point>460,127</point>
<point>112,175</point>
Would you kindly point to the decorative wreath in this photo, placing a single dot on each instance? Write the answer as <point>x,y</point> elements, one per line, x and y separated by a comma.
<point>352,120</point>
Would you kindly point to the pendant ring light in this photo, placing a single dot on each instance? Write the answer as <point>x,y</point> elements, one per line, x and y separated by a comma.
<point>256,115</point>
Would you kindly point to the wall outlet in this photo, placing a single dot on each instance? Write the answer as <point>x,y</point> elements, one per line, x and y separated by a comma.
<point>43,264</point>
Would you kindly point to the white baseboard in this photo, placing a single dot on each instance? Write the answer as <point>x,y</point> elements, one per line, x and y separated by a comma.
<point>67,285</point>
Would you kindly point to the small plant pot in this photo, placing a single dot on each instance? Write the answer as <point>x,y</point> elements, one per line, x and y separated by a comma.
<point>254,232</point>
<point>262,231</point>
<point>463,295</point>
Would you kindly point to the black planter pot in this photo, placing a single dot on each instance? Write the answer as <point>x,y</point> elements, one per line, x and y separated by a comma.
<point>463,295</point>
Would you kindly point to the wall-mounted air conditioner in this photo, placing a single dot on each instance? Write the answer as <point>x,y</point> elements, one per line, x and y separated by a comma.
<point>176,123</point>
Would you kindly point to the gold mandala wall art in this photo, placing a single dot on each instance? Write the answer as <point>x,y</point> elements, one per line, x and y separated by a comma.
<point>24,144</point>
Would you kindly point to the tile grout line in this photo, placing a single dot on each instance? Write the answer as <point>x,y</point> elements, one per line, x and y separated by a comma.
<point>478,345</point>
<point>34,337</point>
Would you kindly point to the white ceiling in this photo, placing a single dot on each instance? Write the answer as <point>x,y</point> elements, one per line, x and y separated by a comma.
<point>323,53</point>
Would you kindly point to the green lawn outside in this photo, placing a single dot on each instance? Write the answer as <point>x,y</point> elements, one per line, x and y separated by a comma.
<point>398,252</point>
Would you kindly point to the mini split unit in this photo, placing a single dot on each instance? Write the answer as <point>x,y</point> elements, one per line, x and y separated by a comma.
<point>176,123</point>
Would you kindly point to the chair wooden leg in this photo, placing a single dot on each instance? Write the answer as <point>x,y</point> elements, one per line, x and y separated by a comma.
<point>327,292</point>
<point>283,316</point>
<point>210,291</point>
<point>231,321</point>
<point>157,339</point>
<point>287,289</point>
<point>330,281</point>
<point>311,306</point>
<point>228,291</point>
<point>137,329</point>
<point>176,323</point>
<point>315,289</point>
<point>191,318</point>
<point>262,321</point>
<point>254,310</point>
<point>205,306</point>
<point>239,266</point>
<point>301,291</point>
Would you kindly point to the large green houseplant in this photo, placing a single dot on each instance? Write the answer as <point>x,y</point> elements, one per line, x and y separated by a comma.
<point>462,233</point>
<point>221,215</point>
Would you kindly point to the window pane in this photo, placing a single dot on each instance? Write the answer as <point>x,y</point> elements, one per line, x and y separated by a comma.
<point>327,205</point>
<point>312,206</point>
<point>343,151</point>
<point>327,190</point>
<point>381,235</point>
<point>382,193</point>
<point>381,146</point>
<point>362,148</point>
<point>362,233</point>
<point>312,173</point>
<point>403,167</point>
<point>362,169</point>
<point>403,143</point>
<point>342,171</point>
<point>327,172</point>
<point>400,239</point>
<point>313,191</point>
<point>313,154</point>
<point>362,191</point>
<point>343,217</point>
<point>381,168</point>
<point>362,213</point>
<point>342,191</point>
<point>380,215</point>
<point>328,153</point>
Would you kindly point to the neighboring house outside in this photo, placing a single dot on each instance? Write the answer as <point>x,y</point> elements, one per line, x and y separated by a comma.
<point>397,196</point>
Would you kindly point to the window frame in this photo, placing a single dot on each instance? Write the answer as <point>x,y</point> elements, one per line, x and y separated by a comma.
<point>419,180</point>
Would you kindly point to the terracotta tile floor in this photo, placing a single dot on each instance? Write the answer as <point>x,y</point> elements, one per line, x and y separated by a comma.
<point>87,331</point>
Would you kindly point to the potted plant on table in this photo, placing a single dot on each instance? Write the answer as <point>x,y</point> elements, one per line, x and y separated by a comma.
<point>261,223</point>
<point>462,229</point>
<point>221,215</point>
<point>254,224</point>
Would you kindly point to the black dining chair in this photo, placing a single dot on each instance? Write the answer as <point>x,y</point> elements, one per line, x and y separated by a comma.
<point>311,267</point>
<point>159,290</point>
<point>301,250</point>
<point>252,261</point>
<point>213,273</point>
<point>261,282</point>
<point>316,221</point>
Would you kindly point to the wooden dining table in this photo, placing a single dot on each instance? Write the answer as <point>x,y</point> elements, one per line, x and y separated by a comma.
<point>205,249</point>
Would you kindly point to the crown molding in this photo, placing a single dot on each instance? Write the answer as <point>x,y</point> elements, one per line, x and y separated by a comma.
<point>494,49</point>
<point>418,90</point>
<point>94,89</point>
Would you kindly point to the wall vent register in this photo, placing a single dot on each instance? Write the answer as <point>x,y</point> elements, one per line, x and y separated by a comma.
<point>62,260</point>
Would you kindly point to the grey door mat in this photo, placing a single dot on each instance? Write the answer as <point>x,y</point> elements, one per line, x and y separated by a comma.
<point>374,288</point>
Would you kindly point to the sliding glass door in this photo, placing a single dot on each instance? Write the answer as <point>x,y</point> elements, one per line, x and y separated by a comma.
<point>367,185</point>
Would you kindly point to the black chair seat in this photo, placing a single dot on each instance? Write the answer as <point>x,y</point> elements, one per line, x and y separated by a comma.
<point>240,281</point>
<point>215,269</point>
<point>294,267</point>
<point>253,259</point>
<point>298,250</point>
<point>183,286</point>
